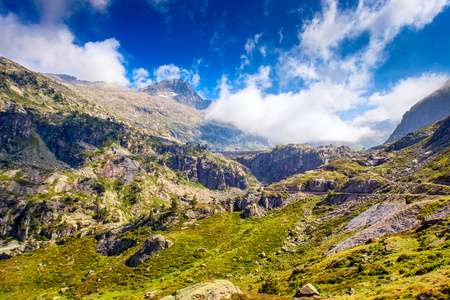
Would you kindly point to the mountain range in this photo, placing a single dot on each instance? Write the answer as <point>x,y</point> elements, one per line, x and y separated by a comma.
<point>113,193</point>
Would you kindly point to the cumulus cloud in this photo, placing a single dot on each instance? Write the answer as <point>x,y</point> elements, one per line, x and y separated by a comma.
<point>49,48</point>
<point>335,85</point>
<point>288,117</point>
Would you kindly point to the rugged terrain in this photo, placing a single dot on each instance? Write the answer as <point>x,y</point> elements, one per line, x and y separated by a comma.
<point>93,206</point>
<point>275,164</point>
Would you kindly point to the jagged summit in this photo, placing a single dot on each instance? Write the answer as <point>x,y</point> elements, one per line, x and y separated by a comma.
<point>432,108</point>
<point>180,90</point>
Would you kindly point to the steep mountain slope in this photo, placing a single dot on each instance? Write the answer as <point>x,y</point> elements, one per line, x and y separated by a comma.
<point>169,107</point>
<point>433,108</point>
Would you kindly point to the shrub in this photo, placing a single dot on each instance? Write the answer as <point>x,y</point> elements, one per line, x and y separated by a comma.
<point>270,286</point>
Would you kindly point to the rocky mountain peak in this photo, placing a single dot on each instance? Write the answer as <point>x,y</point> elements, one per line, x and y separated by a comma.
<point>179,90</point>
<point>432,108</point>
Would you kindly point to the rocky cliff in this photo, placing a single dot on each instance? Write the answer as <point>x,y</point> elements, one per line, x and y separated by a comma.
<point>282,161</point>
<point>433,108</point>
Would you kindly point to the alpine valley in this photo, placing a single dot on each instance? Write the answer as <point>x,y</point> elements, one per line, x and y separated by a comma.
<point>108,192</point>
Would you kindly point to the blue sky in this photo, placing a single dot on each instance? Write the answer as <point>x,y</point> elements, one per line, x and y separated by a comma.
<point>293,71</point>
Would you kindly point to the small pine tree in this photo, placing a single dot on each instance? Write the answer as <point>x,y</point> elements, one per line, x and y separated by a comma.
<point>174,204</point>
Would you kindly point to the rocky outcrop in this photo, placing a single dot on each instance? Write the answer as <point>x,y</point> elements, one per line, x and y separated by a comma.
<point>409,140</point>
<point>15,125</point>
<point>320,185</point>
<point>377,213</point>
<point>256,203</point>
<point>403,219</point>
<point>433,108</point>
<point>120,167</point>
<point>282,161</point>
<point>200,213</point>
<point>209,173</point>
<point>151,247</point>
<point>112,246</point>
<point>211,290</point>
<point>66,136</point>
<point>361,186</point>
<point>441,137</point>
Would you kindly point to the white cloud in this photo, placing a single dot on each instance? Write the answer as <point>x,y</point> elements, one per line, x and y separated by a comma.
<point>100,4</point>
<point>280,33</point>
<point>51,48</point>
<point>141,78</point>
<point>321,38</point>
<point>251,43</point>
<point>308,116</point>
<point>263,50</point>
<point>167,72</point>
<point>334,85</point>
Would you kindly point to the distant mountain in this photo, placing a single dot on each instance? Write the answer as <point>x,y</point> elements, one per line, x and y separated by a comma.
<point>433,108</point>
<point>179,90</point>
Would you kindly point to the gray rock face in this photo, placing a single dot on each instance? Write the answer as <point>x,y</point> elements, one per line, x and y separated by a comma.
<point>433,108</point>
<point>403,219</point>
<point>111,246</point>
<point>181,92</point>
<point>151,247</point>
<point>256,203</point>
<point>272,166</point>
<point>208,173</point>
<point>357,185</point>
<point>212,290</point>
<point>377,213</point>
<point>320,185</point>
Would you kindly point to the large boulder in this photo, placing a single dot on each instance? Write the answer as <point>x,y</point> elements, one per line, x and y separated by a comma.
<point>308,290</point>
<point>211,290</point>
<point>151,247</point>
